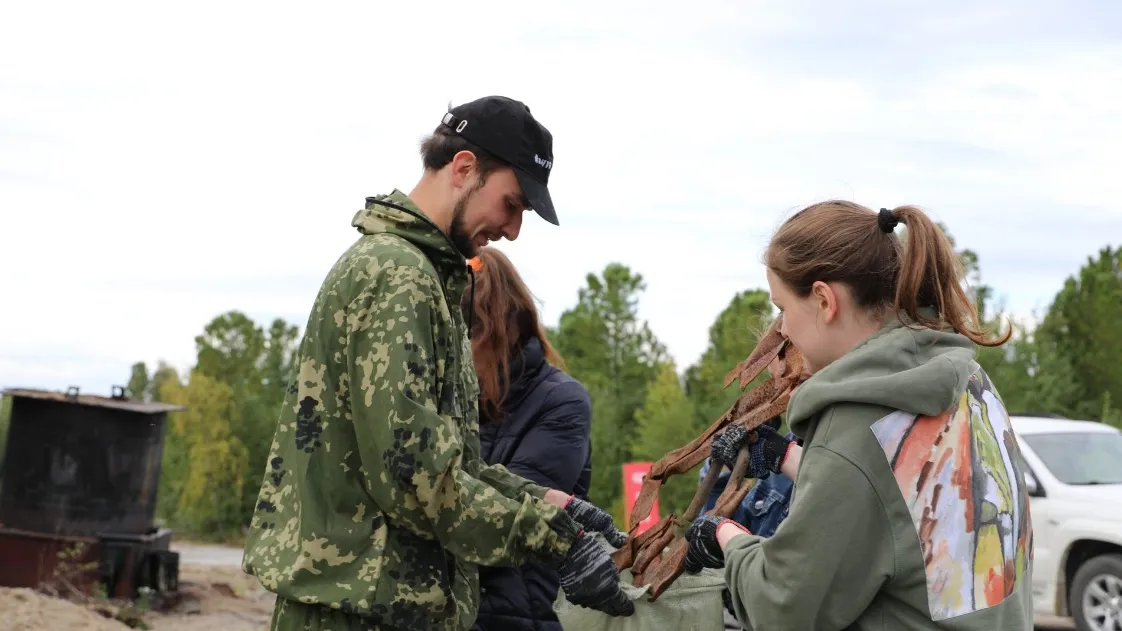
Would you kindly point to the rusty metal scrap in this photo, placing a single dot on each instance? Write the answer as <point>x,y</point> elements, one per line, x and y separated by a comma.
<point>657,557</point>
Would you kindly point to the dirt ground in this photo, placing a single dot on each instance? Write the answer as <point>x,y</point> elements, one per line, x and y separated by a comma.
<point>216,598</point>
<point>213,598</point>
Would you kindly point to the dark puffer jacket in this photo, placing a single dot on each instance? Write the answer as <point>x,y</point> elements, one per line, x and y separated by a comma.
<point>544,438</point>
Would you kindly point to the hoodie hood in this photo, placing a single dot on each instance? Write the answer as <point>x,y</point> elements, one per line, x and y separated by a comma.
<point>397,214</point>
<point>915,370</point>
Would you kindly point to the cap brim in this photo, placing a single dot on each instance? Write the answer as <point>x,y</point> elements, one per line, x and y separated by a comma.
<point>538,195</point>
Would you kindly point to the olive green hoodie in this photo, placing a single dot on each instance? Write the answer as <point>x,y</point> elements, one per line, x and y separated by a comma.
<point>910,510</point>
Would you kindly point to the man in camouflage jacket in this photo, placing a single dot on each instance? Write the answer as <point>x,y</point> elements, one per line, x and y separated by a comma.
<point>375,508</point>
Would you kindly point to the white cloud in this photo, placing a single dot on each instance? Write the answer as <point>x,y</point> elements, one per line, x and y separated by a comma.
<point>160,166</point>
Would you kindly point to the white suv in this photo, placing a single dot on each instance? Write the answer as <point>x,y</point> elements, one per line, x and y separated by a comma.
<point>1074,477</point>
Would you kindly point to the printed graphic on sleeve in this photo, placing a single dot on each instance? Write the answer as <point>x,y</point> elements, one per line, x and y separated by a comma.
<point>960,475</point>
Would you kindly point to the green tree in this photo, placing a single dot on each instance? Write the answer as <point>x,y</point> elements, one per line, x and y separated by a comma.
<point>603,338</point>
<point>1082,334</point>
<point>1111,415</point>
<point>206,464</point>
<point>616,356</point>
<point>279,362</point>
<point>255,367</point>
<point>175,464</point>
<point>139,386</point>
<point>164,374</point>
<point>665,422</point>
<point>732,337</point>
<point>258,367</point>
<point>231,349</point>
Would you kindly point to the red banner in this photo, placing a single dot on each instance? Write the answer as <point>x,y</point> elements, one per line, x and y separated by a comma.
<point>633,474</point>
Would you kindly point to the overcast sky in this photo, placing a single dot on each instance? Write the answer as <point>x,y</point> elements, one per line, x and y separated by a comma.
<point>161,166</point>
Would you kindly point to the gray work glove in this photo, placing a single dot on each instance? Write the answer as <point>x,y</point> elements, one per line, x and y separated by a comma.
<point>765,456</point>
<point>590,579</point>
<point>594,519</point>
<point>704,551</point>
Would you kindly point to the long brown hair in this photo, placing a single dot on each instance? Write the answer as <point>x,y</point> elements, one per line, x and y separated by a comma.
<point>504,319</point>
<point>845,242</point>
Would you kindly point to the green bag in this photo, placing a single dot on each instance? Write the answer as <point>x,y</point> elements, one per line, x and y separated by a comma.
<point>691,603</point>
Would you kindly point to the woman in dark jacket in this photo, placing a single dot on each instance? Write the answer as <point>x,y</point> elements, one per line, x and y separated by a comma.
<point>534,419</point>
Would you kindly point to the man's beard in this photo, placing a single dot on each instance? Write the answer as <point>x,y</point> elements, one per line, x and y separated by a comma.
<point>456,231</point>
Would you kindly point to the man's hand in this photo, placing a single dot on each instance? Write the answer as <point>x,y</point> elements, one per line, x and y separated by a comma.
<point>765,455</point>
<point>590,579</point>
<point>705,550</point>
<point>594,519</point>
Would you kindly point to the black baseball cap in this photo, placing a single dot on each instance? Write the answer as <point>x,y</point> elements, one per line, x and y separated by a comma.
<point>505,128</point>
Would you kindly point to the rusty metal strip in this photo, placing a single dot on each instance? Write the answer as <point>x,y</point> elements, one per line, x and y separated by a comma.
<point>744,412</point>
<point>646,554</point>
<point>674,560</point>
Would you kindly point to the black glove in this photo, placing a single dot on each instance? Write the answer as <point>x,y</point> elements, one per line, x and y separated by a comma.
<point>590,579</point>
<point>595,519</point>
<point>704,551</point>
<point>765,456</point>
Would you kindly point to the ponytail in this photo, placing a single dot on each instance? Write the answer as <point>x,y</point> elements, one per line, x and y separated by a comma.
<point>929,276</point>
<point>839,241</point>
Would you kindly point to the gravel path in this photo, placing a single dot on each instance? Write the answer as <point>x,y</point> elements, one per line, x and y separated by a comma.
<point>216,596</point>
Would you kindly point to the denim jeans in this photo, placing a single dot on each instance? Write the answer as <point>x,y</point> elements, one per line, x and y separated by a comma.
<point>761,512</point>
<point>764,507</point>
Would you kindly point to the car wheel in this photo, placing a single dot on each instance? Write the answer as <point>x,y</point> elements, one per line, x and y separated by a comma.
<point>1096,594</point>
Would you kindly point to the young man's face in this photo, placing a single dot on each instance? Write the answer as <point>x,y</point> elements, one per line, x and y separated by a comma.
<point>488,211</point>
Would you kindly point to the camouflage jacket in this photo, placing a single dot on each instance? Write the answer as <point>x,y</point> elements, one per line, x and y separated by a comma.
<point>375,499</point>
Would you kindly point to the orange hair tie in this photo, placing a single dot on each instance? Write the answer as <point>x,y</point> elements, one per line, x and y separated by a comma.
<point>475,263</point>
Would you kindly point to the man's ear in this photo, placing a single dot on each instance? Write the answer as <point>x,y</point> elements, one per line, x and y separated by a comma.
<point>825,300</point>
<point>463,168</point>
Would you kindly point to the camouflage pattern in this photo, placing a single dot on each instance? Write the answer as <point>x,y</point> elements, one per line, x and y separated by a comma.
<point>375,501</point>
<point>289,615</point>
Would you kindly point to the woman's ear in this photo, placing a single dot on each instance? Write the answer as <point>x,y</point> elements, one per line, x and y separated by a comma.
<point>825,300</point>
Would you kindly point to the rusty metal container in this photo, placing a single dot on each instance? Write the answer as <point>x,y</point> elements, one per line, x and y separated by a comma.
<point>78,494</point>
<point>120,564</point>
<point>80,464</point>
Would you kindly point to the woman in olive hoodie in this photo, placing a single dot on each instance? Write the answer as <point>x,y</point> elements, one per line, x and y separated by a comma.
<point>909,509</point>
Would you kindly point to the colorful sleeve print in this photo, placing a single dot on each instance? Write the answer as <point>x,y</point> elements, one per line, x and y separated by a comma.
<point>960,476</point>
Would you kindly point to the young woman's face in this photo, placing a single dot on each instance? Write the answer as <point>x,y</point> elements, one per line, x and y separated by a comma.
<point>804,324</point>
<point>824,325</point>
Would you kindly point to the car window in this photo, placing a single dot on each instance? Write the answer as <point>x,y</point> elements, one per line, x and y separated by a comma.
<point>1080,457</point>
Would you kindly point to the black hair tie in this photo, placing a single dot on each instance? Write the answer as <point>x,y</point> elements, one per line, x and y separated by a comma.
<point>886,220</point>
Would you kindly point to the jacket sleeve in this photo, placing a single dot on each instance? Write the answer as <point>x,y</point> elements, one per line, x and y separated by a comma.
<point>553,452</point>
<point>825,563</point>
<point>412,451</point>
<point>510,483</point>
